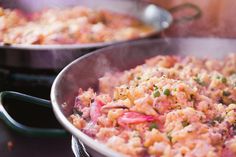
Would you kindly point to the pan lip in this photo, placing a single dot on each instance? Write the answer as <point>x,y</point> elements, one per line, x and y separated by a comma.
<point>72,46</point>
<point>58,46</point>
<point>83,45</point>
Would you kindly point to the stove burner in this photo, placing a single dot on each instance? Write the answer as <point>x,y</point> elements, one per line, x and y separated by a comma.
<point>36,83</point>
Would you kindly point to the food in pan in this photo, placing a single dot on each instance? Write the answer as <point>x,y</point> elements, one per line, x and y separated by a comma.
<point>168,107</point>
<point>76,25</point>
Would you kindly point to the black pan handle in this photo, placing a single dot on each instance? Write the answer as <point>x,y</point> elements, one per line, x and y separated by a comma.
<point>23,129</point>
<point>197,12</point>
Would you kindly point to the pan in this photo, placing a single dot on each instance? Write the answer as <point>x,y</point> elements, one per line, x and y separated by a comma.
<point>55,57</point>
<point>85,71</point>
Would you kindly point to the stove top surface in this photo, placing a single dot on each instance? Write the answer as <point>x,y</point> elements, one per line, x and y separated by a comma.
<point>15,145</point>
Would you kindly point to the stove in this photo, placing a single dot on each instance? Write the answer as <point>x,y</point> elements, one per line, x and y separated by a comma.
<point>36,83</point>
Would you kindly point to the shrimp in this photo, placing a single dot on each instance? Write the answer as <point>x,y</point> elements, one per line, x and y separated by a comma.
<point>134,118</point>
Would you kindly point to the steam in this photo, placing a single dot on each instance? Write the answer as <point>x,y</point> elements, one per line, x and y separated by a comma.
<point>60,58</point>
<point>103,64</point>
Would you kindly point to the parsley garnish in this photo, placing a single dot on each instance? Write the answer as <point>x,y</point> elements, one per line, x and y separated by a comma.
<point>185,123</point>
<point>155,87</point>
<point>156,94</point>
<point>167,92</point>
<point>226,93</point>
<point>152,126</point>
<point>223,80</point>
<point>169,137</point>
<point>197,79</point>
<point>219,119</point>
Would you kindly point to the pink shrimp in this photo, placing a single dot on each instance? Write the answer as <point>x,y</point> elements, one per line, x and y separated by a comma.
<point>95,110</point>
<point>134,118</point>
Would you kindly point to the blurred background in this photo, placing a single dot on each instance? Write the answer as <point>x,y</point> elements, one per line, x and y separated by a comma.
<point>217,18</point>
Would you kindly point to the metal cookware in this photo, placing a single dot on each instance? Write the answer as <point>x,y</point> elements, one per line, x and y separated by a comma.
<point>55,57</point>
<point>85,71</point>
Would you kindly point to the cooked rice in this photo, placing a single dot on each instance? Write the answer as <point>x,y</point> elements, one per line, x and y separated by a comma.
<point>168,107</point>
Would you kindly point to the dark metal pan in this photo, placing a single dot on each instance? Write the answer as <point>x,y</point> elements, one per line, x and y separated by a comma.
<point>57,56</point>
<point>85,71</point>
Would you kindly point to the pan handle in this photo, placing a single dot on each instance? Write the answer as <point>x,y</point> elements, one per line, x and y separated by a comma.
<point>23,129</point>
<point>197,12</point>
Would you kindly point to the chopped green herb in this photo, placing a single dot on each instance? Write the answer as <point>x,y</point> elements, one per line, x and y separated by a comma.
<point>139,78</point>
<point>226,93</point>
<point>196,79</point>
<point>217,77</point>
<point>152,126</point>
<point>167,92</point>
<point>212,123</point>
<point>191,97</point>
<point>223,80</point>
<point>155,87</point>
<point>156,94</point>
<point>219,119</point>
<point>234,126</point>
<point>169,137</point>
<point>77,112</point>
<point>185,123</point>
